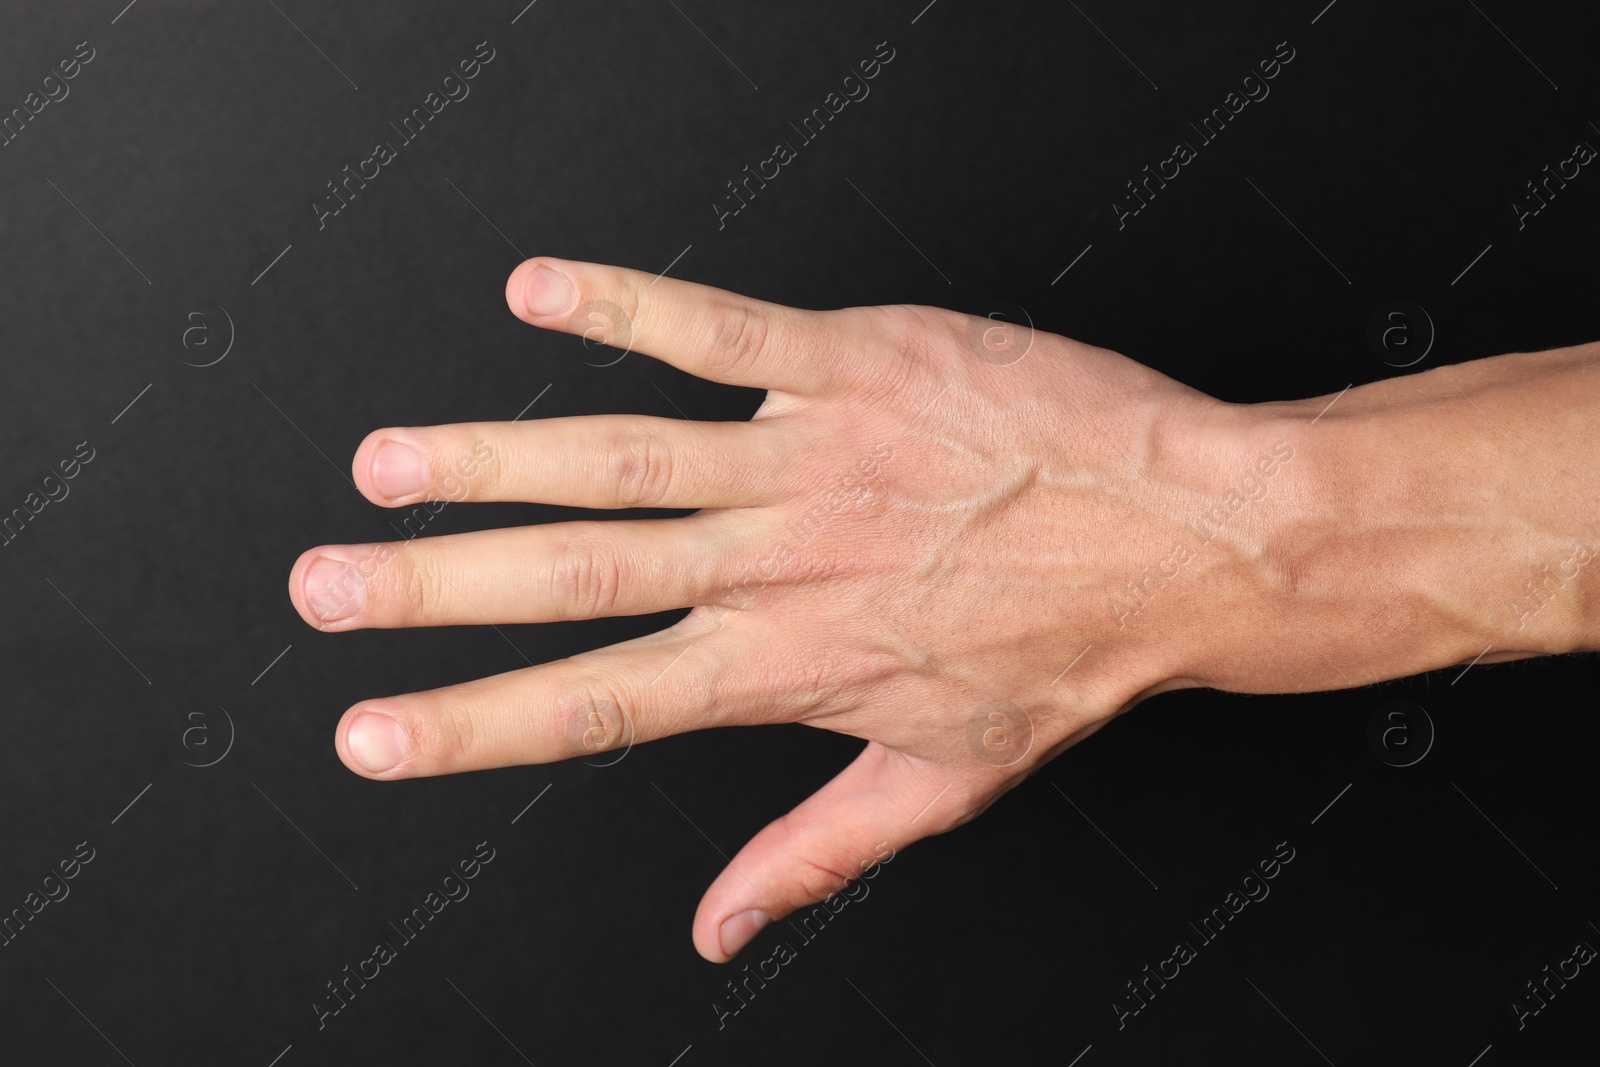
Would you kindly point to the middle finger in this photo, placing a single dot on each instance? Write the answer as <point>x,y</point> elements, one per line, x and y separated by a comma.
<point>593,461</point>
<point>569,570</point>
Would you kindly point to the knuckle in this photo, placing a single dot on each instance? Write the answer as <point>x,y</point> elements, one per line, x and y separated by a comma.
<point>623,309</point>
<point>585,580</point>
<point>419,584</point>
<point>592,719</point>
<point>816,686</point>
<point>890,321</point>
<point>739,336</point>
<point>807,682</point>
<point>900,328</point>
<point>817,880</point>
<point>640,470</point>
<point>454,735</point>
<point>900,336</point>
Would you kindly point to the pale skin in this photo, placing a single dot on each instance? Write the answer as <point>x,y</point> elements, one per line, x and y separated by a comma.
<point>925,538</point>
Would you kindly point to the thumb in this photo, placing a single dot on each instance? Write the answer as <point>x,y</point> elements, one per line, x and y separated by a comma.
<point>881,802</point>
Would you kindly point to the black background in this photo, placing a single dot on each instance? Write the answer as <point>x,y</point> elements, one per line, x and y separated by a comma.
<point>997,140</point>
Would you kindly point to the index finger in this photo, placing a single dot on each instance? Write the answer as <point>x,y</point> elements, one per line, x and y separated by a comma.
<point>709,332</point>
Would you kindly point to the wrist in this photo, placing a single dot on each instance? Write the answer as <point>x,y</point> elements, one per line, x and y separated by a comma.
<point>1419,537</point>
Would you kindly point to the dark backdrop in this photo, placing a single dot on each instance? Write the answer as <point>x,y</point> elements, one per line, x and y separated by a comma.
<point>163,208</point>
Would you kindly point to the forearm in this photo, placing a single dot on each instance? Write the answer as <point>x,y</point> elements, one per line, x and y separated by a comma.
<point>1445,515</point>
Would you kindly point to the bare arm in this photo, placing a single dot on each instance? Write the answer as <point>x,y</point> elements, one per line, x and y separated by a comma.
<point>1447,516</point>
<point>967,544</point>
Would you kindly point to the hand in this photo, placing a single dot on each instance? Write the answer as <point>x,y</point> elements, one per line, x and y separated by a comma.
<point>951,537</point>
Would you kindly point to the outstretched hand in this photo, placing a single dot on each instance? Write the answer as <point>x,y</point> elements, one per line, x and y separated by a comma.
<point>938,534</point>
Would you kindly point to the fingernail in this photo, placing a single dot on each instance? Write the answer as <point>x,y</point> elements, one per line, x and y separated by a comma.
<point>334,590</point>
<point>399,470</point>
<point>738,930</point>
<point>547,292</point>
<point>376,742</point>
